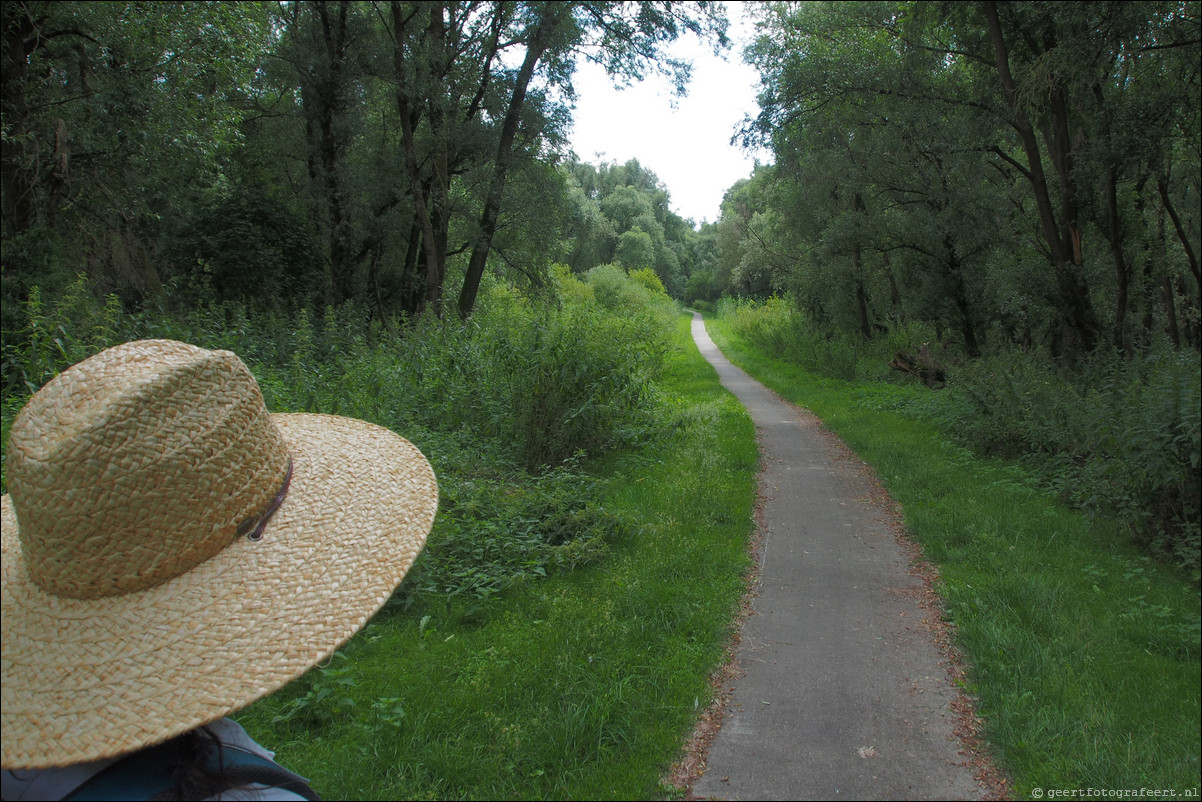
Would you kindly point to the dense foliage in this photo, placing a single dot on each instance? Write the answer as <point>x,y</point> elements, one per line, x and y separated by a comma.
<point>999,198</point>
<point>505,406</point>
<point>1118,437</point>
<point>1015,174</point>
<point>386,153</point>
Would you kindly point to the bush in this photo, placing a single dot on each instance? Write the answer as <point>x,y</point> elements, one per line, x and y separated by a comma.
<point>778,327</point>
<point>244,247</point>
<point>580,376</point>
<point>577,376</point>
<point>503,405</point>
<point>649,280</point>
<point>1120,437</point>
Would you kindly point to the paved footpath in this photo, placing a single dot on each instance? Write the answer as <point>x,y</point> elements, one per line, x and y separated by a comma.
<point>845,694</point>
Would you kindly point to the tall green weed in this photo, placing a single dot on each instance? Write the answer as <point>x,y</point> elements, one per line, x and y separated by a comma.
<point>504,405</point>
<point>1116,436</point>
<point>777,326</point>
<point>57,333</point>
<point>578,376</point>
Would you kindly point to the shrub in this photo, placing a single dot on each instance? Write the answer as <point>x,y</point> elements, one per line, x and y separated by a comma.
<point>647,278</point>
<point>778,327</point>
<point>614,290</point>
<point>1121,437</point>
<point>245,247</point>
<point>576,377</point>
<point>502,405</point>
<point>581,375</point>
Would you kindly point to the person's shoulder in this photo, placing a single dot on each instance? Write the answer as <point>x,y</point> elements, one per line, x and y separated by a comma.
<point>85,780</point>
<point>54,783</point>
<point>231,733</point>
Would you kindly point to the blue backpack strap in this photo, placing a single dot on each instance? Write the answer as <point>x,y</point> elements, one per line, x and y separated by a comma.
<point>147,774</point>
<point>241,768</point>
<point>140,775</point>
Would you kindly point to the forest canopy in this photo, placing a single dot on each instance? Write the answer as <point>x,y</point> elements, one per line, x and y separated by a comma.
<point>1002,195</point>
<point>1018,173</point>
<point>389,153</point>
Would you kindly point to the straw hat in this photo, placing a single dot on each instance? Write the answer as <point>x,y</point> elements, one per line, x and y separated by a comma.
<point>172,551</point>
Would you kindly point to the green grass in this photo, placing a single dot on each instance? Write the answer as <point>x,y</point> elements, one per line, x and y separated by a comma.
<point>556,637</point>
<point>1084,653</point>
<point>583,685</point>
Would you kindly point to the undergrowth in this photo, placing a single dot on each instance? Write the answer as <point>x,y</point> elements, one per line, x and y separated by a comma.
<point>507,406</point>
<point>1116,436</point>
<point>580,684</point>
<point>1082,651</point>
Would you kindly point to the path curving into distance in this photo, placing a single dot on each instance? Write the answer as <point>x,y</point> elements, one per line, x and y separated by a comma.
<point>844,692</point>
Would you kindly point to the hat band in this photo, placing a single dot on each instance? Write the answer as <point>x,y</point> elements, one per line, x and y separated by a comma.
<point>257,534</point>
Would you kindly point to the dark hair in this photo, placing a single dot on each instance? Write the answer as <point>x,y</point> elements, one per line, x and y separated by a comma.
<point>190,756</point>
<point>199,770</point>
<point>195,765</point>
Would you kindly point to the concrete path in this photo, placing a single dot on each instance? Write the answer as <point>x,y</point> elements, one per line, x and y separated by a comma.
<point>845,694</point>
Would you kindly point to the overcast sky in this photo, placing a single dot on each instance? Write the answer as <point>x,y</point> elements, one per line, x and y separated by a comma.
<point>687,147</point>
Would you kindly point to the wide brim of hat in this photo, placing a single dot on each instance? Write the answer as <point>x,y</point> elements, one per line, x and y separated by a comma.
<point>88,679</point>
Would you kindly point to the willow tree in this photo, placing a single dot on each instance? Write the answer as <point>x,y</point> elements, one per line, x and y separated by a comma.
<point>486,83</point>
<point>872,161</point>
<point>111,113</point>
<point>1085,118</point>
<point>987,135</point>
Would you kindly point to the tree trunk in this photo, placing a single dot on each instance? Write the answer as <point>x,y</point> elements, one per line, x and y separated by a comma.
<point>862,305</point>
<point>894,294</point>
<point>1162,184</point>
<point>1158,251</point>
<point>960,299</point>
<point>1191,313</point>
<point>1122,269</point>
<point>1078,323</point>
<point>409,118</point>
<point>550,18</point>
<point>1170,311</point>
<point>20,39</point>
<point>324,102</point>
<point>413,287</point>
<point>857,262</point>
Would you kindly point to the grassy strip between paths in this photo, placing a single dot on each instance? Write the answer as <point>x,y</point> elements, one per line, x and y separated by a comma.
<point>1084,654</point>
<point>580,686</point>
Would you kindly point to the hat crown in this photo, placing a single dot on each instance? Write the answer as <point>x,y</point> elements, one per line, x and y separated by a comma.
<point>137,464</point>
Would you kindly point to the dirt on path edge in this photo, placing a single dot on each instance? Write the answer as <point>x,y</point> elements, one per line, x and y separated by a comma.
<point>969,727</point>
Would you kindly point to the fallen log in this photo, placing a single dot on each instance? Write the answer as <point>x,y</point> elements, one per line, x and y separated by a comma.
<point>929,370</point>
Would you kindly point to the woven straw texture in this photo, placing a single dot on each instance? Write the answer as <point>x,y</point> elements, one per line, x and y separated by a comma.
<point>86,678</point>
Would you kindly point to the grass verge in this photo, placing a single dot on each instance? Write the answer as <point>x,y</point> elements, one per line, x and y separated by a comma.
<point>583,685</point>
<point>1084,654</point>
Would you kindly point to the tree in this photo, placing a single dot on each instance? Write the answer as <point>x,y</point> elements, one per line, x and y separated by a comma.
<point>636,249</point>
<point>112,113</point>
<point>925,150</point>
<point>402,135</point>
<point>465,100</point>
<point>622,214</point>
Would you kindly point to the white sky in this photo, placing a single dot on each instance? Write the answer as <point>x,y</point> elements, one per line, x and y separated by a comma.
<point>687,147</point>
